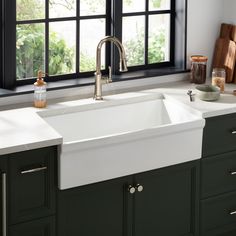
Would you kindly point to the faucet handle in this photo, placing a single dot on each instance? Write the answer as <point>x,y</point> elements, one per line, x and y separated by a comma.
<point>109,79</point>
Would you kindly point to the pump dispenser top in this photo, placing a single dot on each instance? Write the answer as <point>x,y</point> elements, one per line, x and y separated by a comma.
<point>40,87</point>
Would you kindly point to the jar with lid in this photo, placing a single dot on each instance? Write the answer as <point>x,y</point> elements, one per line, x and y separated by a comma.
<point>218,78</point>
<point>198,69</point>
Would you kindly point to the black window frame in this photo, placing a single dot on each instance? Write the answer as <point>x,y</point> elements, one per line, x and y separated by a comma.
<point>118,15</point>
<point>113,14</point>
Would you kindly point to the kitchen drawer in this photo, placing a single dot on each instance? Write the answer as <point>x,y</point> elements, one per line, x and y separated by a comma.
<point>218,174</point>
<point>231,233</point>
<point>41,227</point>
<point>218,135</point>
<point>218,214</point>
<point>32,184</point>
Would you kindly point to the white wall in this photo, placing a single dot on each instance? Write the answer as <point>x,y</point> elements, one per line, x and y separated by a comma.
<point>229,11</point>
<point>204,19</point>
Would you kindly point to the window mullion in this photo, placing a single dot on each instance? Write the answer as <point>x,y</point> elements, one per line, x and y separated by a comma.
<point>108,31</point>
<point>117,32</point>
<point>47,37</point>
<point>146,33</point>
<point>172,32</point>
<point>77,38</point>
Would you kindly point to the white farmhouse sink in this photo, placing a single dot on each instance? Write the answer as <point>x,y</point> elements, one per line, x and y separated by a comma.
<point>123,136</point>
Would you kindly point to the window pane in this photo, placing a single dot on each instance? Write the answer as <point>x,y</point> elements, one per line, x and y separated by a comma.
<point>30,9</point>
<point>133,5</point>
<point>133,39</point>
<point>92,7</point>
<point>159,38</point>
<point>62,41</point>
<point>159,5</point>
<point>91,32</point>
<point>30,46</point>
<point>62,8</point>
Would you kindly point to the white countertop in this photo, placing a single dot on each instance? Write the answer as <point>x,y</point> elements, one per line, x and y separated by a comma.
<point>178,90</point>
<point>23,129</point>
<point>225,105</point>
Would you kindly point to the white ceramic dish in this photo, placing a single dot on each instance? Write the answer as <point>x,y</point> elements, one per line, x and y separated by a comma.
<point>208,92</point>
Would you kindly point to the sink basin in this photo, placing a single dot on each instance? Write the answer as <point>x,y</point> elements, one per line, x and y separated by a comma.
<point>123,135</point>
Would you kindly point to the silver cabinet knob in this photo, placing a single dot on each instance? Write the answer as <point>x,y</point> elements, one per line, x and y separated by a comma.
<point>139,187</point>
<point>131,189</point>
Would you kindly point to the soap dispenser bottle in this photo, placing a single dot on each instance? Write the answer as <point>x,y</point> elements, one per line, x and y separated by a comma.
<point>40,90</point>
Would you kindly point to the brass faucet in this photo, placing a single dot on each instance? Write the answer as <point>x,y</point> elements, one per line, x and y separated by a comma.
<point>99,80</point>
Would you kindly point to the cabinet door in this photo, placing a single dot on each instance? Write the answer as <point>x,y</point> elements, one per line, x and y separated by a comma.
<point>42,227</point>
<point>94,210</point>
<point>32,184</point>
<point>3,195</point>
<point>167,204</point>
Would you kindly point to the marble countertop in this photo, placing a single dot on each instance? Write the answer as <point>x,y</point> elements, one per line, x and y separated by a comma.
<point>23,129</point>
<point>225,105</point>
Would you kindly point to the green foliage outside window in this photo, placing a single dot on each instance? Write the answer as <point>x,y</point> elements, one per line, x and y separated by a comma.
<point>156,52</point>
<point>30,46</point>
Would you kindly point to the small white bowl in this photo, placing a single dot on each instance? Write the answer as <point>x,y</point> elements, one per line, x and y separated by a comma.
<point>208,92</point>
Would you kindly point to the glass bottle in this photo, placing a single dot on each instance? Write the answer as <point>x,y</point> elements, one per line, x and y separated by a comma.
<point>40,91</point>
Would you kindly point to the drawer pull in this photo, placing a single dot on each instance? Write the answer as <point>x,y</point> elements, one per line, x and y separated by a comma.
<point>232,172</point>
<point>33,170</point>
<point>232,213</point>
<point>233,132</point>
<point>4,204</point>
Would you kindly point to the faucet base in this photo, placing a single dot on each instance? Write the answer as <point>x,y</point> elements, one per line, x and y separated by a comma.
<point>96,97</point>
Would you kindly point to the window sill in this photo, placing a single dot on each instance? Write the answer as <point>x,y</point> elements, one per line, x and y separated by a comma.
<point>64,84</point>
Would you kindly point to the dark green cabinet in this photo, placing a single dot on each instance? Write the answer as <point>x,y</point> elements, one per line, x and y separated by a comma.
<point>41,227</point>
<point>218,174</point>
<point>97,209</point>
<point>160,202</point>
<point>219,135</point>
<point>28,184</point>
<point>218,177</point>
<point>167,204</point>
<point>32,185</point>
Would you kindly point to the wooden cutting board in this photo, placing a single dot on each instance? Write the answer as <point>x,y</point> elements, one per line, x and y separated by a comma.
<point>225,57</point>
<point>228,31</point>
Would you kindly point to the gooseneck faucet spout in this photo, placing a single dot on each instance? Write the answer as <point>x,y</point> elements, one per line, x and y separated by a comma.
<point>99,80</point>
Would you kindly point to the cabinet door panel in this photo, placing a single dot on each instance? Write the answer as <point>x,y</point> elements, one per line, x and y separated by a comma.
<point>42,227</point>
<point>98,209</point>
<point>218,174</point>
<point>166,204</point>
<point>231,233</point>
<point>32,193</point>
<point>216,214</point>
<point>218,137</point>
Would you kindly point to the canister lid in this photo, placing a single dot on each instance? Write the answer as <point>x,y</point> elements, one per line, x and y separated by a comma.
<point>199,58</point>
